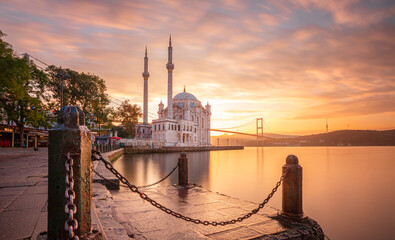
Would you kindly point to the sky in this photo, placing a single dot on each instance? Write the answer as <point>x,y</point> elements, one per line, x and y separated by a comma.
<point>295,63</point>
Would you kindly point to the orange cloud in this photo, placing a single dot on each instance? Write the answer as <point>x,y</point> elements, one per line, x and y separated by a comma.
<point>294,63</point>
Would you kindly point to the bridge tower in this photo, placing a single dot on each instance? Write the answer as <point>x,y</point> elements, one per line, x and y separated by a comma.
<point>259,132</point>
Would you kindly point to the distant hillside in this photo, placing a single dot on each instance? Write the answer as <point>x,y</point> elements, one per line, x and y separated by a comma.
<point>352,138</point>
<point>335,138</point>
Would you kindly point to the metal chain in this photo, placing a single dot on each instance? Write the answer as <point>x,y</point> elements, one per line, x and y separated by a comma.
<point>152,184</point>
<point>70,209</point>
<point>144,186</point>
<point>97,156</point>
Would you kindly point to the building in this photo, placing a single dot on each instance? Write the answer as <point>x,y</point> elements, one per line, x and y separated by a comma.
<point>186,122</point>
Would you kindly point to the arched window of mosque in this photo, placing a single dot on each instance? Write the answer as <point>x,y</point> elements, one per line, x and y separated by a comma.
<point>143,130</point>
<point>202,122</point>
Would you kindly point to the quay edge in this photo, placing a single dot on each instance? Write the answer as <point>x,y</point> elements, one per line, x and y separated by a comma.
<point>129,149</point>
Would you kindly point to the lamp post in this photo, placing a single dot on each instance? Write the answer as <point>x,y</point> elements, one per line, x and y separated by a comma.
<point>63,76</point>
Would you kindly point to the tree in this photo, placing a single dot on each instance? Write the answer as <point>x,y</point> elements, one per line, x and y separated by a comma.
<point>22,89</point>
<point>102,115</point>
<point>84,90</point>
<point>129,115</point>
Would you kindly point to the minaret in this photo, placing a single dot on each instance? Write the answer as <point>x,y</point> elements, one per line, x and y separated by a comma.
<point>145,76</point>
<point>160,109</point>
<point>170,67</point>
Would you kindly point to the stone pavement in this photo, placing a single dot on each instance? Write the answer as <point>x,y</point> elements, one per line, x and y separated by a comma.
<point>23,192</point>
<point>124,215</point>
<point>147,222</point>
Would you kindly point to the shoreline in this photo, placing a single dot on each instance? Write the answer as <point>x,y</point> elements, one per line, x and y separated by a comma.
<point>129,150</point>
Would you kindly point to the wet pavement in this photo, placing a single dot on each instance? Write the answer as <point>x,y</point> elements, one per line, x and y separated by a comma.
<point>124,214</point>
<point>148,222</point>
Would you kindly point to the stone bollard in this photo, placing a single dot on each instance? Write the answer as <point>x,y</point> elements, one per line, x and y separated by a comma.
<point>183,170</point>
<point>70,135</point>
<point>292,188</point>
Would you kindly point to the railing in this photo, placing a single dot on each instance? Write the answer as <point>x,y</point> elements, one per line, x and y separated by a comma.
<point>69,184</point>
<point>106,147</point>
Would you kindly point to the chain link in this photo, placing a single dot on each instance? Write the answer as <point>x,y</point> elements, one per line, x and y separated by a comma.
<point>97,156</point>
<point>70,209</point>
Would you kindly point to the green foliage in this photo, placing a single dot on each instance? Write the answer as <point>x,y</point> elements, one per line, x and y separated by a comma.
<point>84,90</point>
<point>26,92</point>
<point>129,115</point>
<point>22,89</point>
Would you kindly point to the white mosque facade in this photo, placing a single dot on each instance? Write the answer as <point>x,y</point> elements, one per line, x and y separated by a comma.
<point>186,123</point>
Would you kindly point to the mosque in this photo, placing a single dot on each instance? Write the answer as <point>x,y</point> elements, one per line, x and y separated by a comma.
<point>185,123</point>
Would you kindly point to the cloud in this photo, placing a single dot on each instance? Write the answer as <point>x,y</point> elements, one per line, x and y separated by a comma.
<point>288,61</point>
<point>351,12</point>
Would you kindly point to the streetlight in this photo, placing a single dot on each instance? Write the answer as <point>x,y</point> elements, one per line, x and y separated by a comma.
<point>63,76</point>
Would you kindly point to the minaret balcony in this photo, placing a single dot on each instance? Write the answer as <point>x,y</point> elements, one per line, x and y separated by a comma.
<point>170,66</point>
<point>145,75</point>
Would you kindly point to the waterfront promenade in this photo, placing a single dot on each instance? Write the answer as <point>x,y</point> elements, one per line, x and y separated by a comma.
<point>23,192</point>
<point>124,215</point>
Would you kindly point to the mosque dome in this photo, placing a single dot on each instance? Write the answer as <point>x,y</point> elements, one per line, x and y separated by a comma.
<point>184,96</point>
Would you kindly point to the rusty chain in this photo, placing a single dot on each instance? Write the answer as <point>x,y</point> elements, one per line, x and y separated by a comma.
<point>152,184</point>
<point>96,156</point>
<point>144,186</point>
<point>70,209</point>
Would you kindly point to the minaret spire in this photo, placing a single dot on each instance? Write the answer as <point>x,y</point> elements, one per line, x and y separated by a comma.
<point>145,76</point>
<point>170,68</point>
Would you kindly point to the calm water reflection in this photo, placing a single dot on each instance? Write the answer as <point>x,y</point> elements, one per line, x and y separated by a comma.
<point>350,191</point>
